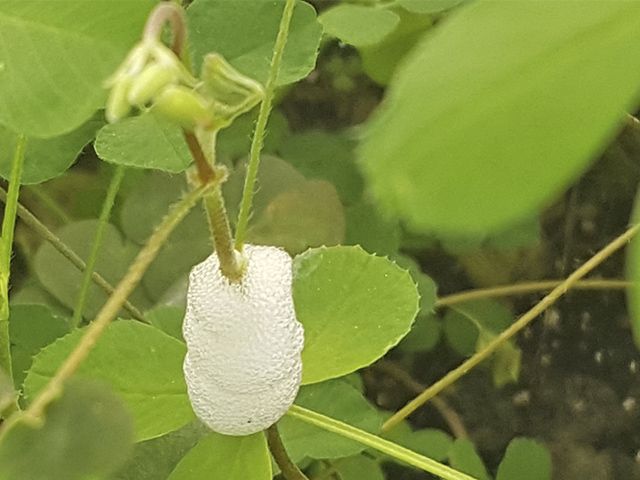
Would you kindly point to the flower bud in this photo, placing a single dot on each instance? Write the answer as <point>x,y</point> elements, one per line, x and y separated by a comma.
<point>118,106</point>
<point>151,81</point>
<point>183,106</point>
<point>232,92</point>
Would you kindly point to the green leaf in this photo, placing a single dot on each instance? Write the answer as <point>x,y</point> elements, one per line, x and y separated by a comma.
<point>358,25</point>
<point>289,211</point>
<point>31,328</point>
<point>343,296</point>
<point>220,457</point>
<point>155,459</point>
<point>145,141</point>
<point>525,233</point>
<point>63,280</point>
<point>235,141</point>
<point>337,399</point>
<point>525,459</point>
<point>530,101</point>
<point>430,442</point>
<point>381,61</point>
<point>424,335</point>
<point>55,56</point>
<point>7,393</point>
<point>188,245</point>
<point>86,432</point>
<point>309,215</point>
<point>142,364</point>
<point>168,319</point>
<point>426,286</point>
<point>147,203</point>
<point>275,176</point>
<point>32,292</point>
<point>245,33</point>
<point>465,322</point>
<point>470,326</point>
<point>45,158</point>
<point>429,6</point>
<point>372,231</point>
<point>359,467</point>
<point>506,360</point>
<point>463,457</point>
<point>327,156</point>
<point>355,380</point>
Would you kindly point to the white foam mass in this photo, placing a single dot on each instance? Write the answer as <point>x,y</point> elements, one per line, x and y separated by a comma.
<point>243,367</point>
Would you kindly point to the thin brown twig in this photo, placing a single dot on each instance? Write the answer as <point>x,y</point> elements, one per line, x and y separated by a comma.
<point>529,287</point>
<point>512,330</point>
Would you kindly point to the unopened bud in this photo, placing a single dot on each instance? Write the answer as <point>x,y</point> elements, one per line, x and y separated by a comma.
<point>183,106</point>
<point>232,92</point>
<point>151,81</point>
<point>118,106</point>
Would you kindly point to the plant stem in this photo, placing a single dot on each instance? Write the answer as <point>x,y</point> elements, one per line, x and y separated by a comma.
<point>37,226</point>
<point>214,204</point>
<point>110,309</point>
<point>290,470</point>
<point>385,446</point>
<point>107,206</point>
<point>6,244</point>
<point>204,159</point>
<point>529,287</point>
<point>257,141</point>
<point>206,174</point>
<point>221,232</point>
<point>518,325</point>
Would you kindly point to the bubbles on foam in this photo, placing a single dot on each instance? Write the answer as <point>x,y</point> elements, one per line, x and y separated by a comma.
<point>243,367</point>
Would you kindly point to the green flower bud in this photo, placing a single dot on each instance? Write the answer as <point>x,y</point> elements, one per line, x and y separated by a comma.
<point>183,106</point>
<point>232,92</point>
<point>118,106</point>
<point>165,56</point>
<point>151,81</point>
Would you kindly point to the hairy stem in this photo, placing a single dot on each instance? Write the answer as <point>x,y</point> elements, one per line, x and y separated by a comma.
<point>37,226</point>
<point>290,470</point>
<point>214,204</point>
<point>204,158</point>
<point>221,232</point>
<point>518,325</point>
<point>206,173</point>
<point>257,141</point>
<point>6,244</point>
<point>529,287</point>
<point>107,206</point>
<point>385,446</point>
<point>114,303</point>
